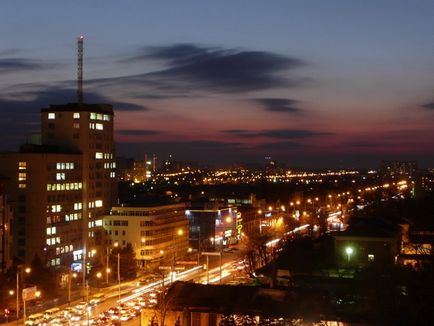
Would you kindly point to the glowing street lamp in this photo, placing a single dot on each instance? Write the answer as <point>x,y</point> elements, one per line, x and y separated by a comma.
<point>349,251</point>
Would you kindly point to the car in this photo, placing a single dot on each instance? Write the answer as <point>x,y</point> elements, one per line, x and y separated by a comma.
<point>81,305</point>
<point>35,319</point>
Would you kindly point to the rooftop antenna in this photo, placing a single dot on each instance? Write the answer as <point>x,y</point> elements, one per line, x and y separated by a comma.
<point>80,69</point>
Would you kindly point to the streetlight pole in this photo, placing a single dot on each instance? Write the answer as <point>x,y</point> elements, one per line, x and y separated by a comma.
<point>20,270</point>
<point>18,294</point>
<point>119,276</point>
<point>107,268</point>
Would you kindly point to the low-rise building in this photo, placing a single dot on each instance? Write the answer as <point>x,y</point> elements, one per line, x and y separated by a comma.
<point>371,241</point>
<point>158,234</point>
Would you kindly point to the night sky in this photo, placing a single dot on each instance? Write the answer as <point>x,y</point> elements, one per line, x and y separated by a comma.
<point>310,83</point>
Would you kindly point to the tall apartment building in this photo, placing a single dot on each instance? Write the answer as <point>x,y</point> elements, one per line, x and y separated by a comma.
<point>5,229</point>
<point>158,234</point>
<point>62,188</point>
<point>88,129</point>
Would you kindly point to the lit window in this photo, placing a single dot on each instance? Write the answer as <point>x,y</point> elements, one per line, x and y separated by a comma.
<point>106,117</point>
<point>91,125</point>
<point>99,126</point>
<point>78,206</point>
<point>98,203</point>
<point>56,208</point>
<point>371,258</point>
<point>98,155</point>
<point>98,223</point>
<point>60,176</point>
<point>76,125</point>
<point>99,116</point>
<point>22,176</point>
<point>22,185</point>
<point>51,116</point>
<point>22,165</point>
<point>92,115</point>
<point>76,115</point>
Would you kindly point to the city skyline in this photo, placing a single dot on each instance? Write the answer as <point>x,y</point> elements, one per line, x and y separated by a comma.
<point>333,84</point>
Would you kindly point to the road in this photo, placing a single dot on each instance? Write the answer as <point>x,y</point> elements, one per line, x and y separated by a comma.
<point>230,266</point>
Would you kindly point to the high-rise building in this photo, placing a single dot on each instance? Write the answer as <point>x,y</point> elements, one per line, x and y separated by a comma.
<point>87,129</point>
<point>62,188</point>
<point>45,189</point>
<point>6,217</point>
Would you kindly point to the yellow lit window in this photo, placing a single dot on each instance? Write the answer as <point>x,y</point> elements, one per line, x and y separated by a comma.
<point>51,116</point>
<point>22,165</point>
<point>22,176</point>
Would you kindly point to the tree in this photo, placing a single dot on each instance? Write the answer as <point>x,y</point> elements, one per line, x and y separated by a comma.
<point>128,264</point>
<point>256,253</point>
<point>42,278</point>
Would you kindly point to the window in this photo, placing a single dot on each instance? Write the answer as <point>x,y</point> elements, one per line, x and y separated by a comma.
<point>22,176</point>
<point>56,208</point>
<point>76,125</point>
<point>60,176</point>
<point>371,258</point>
<point>106,117</point>
<point>51,116</point>
<point>98,155</point>
<point>99,126</point>
<point>22,165</point>
<point>98,203</point>
<point>92,115</point>
<point>22,186</point>
<point>124,232</point>
<point>76,115</point>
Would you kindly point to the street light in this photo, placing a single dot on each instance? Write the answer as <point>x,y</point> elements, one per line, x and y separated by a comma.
<point>70,276</point>
<point>20,269</point>
<point>349,251</point>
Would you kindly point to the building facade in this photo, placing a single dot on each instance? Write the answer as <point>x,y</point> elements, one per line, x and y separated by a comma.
<point>62,188</point>
<point>88,129</point>
<point>46,194</point>
<point>158,234</point>
<point>212,225</point>
<point>6,218</point>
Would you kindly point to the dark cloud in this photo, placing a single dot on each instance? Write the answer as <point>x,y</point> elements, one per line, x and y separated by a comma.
<point>281,146</point>
<point>8,65</point>
<point>282,105</point>
<point>236,131</point>
<point>192,67</point>
<point>138,132</point>
<point>9,52</point>
<point>429,106</point>
<point>279,133</point>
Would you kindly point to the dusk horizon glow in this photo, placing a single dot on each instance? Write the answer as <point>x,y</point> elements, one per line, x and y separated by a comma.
<point>334,85</point>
